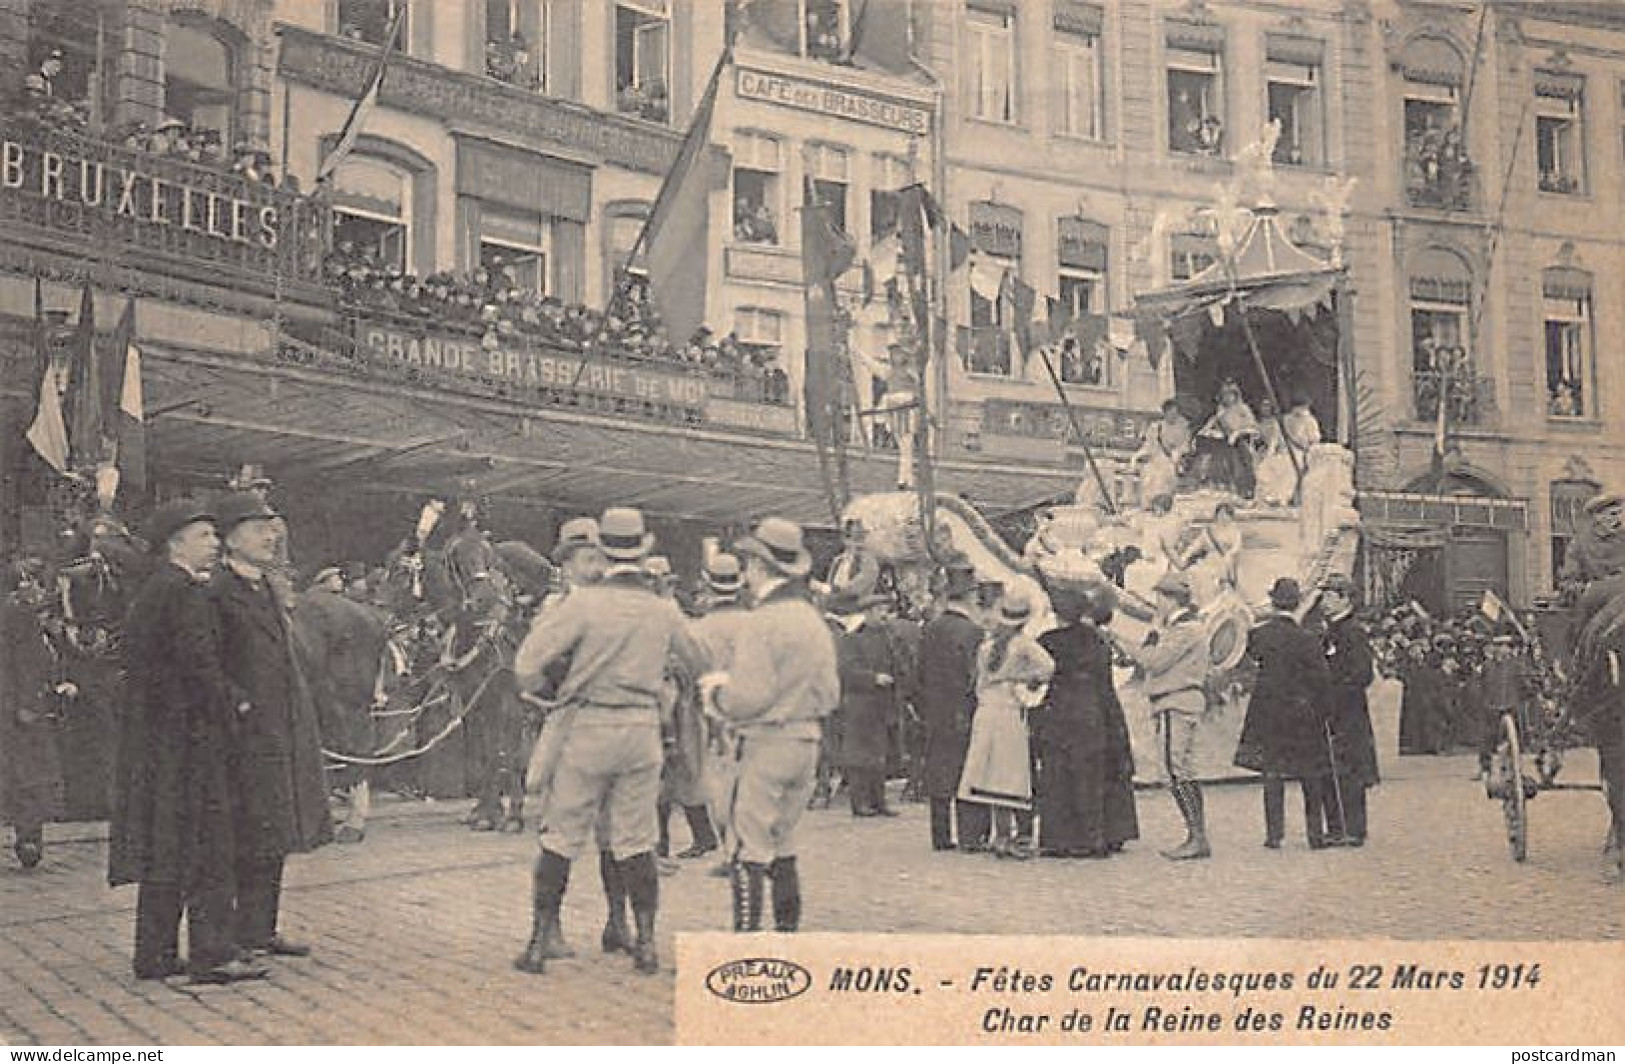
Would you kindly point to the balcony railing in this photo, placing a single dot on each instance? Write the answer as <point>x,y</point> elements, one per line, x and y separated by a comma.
<point>1438,173</point>
<point>160,213</point>
<point>1471,398</point>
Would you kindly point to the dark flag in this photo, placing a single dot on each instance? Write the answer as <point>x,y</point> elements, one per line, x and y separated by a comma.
<point>85,383</point>
<point>674,238</point>
<point>124,405</point>
<point>826,253</point>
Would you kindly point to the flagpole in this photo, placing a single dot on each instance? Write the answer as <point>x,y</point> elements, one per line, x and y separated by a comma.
<point>1077,430</point>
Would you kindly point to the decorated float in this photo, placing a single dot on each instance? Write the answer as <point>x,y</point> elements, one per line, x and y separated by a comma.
<point>1266,321</point>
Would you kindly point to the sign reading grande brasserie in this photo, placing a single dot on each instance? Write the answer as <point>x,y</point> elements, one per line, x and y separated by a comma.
<point>829,100</point>
<point>123,190</point>
<point>538,368</point>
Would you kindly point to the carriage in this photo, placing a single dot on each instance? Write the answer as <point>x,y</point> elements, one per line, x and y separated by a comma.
<point>1552,718</point>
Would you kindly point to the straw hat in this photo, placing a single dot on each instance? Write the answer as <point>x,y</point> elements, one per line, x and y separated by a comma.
<point>622,536</point>
<point>778,542</point>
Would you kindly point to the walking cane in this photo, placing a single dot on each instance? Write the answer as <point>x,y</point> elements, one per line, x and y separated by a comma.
<point>1337,786</point>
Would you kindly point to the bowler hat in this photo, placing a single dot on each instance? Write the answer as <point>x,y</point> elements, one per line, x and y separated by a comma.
<point>239,506</point>
<point>1285,594</point>
<point>574,534</point>
<point>722,573</point>
<point>778,542</point>
<point>622,536</point>
<point>173,516</point>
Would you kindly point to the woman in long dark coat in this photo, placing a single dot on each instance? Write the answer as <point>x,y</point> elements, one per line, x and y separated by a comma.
<point>1085,787</point>
<point>30,773</point>
<point>1425,708</point>
<point>1284,736</point>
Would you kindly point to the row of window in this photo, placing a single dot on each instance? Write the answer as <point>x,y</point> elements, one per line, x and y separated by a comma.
<point>1194,79</point>
<point>1443,364</point>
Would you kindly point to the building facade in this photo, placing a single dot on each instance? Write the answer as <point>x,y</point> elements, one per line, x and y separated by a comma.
<point>376,336</point>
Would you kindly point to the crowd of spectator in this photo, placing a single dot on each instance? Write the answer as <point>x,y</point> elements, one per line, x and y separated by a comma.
<point>491,304</point>
<point>1438,172</point>
<point>40,106</point>
<point>509,61</point>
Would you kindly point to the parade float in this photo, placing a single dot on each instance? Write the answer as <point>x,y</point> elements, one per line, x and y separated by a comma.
<point>1267,318</point>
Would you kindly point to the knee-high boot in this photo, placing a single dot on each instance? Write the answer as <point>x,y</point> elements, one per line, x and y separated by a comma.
<point>746,878</point>
<point>1188,796</point>
<point>786,894</point>
<point>616,937</point>
<point>551,877</point>
<point>643,888</point>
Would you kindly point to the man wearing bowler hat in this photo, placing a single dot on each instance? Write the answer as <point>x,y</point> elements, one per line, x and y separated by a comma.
<point>945,687</point>
<point>172,825</point>
<point>618,636</point>
<point>281,797</point>
<point>780,686</point>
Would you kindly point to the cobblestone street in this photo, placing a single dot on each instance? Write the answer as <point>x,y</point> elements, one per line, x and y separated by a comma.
<point>414,929</point>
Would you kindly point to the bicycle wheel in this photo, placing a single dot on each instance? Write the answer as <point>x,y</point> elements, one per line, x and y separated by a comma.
<point>1513,807</point>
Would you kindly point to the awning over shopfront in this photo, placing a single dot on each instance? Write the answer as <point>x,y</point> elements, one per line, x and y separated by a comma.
<point>317,433</point>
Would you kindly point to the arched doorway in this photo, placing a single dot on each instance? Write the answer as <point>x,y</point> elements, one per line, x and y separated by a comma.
<point>1472,555</point>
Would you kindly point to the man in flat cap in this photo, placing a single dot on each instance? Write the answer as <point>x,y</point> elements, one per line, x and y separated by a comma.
<point>172,829</point>
<point>281,797</point>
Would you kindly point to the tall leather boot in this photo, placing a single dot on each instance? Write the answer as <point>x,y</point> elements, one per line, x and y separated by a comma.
<point>616,937</point>
<point>746,877</point>
<point>643,888</point>
<point>1189,799</point>
<point>786,894</point>
<point>551,877</point>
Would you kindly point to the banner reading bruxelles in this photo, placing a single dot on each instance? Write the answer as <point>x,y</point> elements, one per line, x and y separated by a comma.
<point>122,190</point>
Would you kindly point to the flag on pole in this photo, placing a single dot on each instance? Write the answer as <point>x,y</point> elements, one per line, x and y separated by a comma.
<point>85,383</point>
<point>47,433</point>
<point>124,405</point>
<point>1441,426</point>
<point>364,103</point>
<point>676,236</point>
<point>826,253</point>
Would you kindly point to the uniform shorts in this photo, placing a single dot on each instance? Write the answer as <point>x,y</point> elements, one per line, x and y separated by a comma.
<point>604,790</point>
<point>776,776</point>
<point>1178,732</point>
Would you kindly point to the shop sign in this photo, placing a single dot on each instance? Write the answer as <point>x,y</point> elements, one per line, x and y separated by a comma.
<point>532,367</point>
<point>834,102</point>
<point>148,198</point>
<point>757,417</point>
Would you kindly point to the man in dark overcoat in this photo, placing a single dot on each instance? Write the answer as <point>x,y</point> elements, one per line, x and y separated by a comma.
<point>280,797</point>
<point>869,665</point>
<point>1285,736</point>
<point>30,689</point>
<point>945,689</point>
<point>1349,662</point>
<point>172,828</point>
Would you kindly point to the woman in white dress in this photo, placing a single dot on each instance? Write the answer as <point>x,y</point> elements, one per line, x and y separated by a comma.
<point>1277,470</point>
<point>1011,671</point>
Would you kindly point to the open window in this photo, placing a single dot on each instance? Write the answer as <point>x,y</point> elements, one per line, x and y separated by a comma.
<point>1081,283</point>
<point>757,192</point>
<point>369,20</point>
<point>1438,172</point>
<point>829,177</point>
<point>643,59</point>
<point>1570,373</point>
<point>1295,103</point>
<point>1194,59</point>
<point>1443,364</point>
<point>824,29</point>
<point>514,42</point>
<point>1559,134</point>
<point>372,219</point>
<point>200,79</point>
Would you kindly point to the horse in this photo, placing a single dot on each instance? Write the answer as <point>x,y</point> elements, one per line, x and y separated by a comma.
<point>344,648</point>
<point>459,607</point>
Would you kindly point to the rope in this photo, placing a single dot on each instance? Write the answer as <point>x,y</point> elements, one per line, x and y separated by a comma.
<point>451,726</point>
